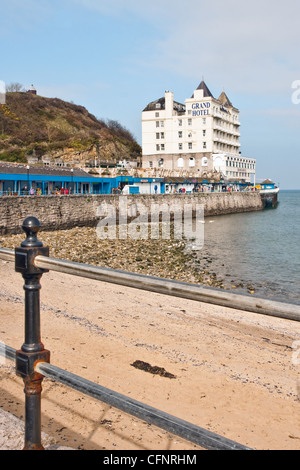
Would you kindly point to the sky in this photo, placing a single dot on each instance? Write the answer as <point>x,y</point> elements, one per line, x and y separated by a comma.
<point>116,56</point>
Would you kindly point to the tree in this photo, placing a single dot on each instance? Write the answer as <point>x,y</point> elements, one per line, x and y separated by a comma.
<point>119,130</point>
<point>15,87</point>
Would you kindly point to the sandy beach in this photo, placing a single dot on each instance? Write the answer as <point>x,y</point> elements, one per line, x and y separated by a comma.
<point>233,372</point>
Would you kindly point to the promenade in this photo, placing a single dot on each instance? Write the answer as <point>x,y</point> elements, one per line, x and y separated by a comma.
<point>65,212</point>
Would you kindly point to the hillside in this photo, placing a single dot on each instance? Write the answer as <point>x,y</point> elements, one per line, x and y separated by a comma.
<point>51,129</point>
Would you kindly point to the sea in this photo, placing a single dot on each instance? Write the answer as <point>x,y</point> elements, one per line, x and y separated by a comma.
<point>257,250</point>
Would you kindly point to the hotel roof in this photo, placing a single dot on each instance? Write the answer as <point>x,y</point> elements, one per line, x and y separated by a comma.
<point>161,104</point>
<point>206,91</point>
<point>223,98</point>
<point>19,169</point>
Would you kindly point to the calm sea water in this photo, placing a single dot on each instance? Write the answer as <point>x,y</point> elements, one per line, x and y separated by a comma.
<point>261,249</point>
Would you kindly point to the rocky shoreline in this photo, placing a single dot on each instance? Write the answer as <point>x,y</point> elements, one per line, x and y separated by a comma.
<point>166,258</point>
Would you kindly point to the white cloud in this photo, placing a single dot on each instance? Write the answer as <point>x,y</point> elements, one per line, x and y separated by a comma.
<point>250,46</point>
<point>253,47</point>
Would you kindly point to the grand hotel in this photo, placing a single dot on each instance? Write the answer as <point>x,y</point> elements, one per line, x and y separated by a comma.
<point>197,137</point>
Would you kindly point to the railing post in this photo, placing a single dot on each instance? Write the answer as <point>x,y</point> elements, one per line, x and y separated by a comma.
<point>32,351</point>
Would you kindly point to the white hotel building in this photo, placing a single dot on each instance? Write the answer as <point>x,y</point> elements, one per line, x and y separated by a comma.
<point>194,138</point>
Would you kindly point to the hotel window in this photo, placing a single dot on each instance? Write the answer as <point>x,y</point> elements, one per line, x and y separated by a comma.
<point>190,145</point>
<point>204,161</point>
<point>158,147</point>
<point>180,146</point>
<point>151,164</point>
<point>157,135</point>
<point>160,162</point>
<point>192,162</point>
<point>157,123</point>
<point>204,145</point>
<point>180,162</point>
<point>162,135</point>
<point>162,147</point>
<point>203,120</point>
<point>189,135</point>
<point>204,132</point>
<point>189,122</point>
<point>162,124</point>
<point>179,122</point>
<point>180,134</point>
<point>156,114</point>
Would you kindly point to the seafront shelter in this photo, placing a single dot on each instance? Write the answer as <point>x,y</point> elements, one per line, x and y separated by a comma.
<point>266,184</point>
<point>16,179</point>
<point>142,185</point>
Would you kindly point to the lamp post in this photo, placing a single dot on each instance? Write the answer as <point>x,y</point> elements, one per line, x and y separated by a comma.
<point>72,177</point>
<point>28,167</point>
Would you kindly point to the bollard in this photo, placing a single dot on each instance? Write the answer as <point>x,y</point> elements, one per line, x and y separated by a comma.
<point>32,351</point>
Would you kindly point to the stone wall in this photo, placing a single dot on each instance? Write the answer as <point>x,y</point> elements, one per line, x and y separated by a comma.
<point>63,212</point>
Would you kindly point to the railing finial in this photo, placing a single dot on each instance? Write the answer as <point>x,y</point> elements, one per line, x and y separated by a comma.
<point>31,227</point>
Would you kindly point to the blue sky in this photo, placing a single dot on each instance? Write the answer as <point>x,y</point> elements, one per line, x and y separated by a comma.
<point>114,57</point>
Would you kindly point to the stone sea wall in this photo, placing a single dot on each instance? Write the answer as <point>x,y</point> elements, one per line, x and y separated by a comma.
<point>63,212</point>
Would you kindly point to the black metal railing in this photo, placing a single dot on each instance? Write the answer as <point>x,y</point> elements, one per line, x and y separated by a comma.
<point>172,424</point>
<point>33,360</point>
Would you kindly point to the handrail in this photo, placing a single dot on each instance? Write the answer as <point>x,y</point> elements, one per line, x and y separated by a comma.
<point>172,424</point>
<point>174,288</point>
<point>7,255</point>
<point>223,298</point>
<point>199,436</point>
<point>7,352</point>
<point>33,361</point>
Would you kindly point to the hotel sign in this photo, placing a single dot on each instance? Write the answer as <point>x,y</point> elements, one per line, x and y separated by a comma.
<point>200,109</point>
